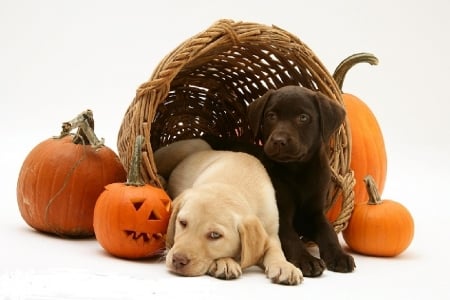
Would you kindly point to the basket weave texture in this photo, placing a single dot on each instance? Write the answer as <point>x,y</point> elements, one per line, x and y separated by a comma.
<point>206,83</point>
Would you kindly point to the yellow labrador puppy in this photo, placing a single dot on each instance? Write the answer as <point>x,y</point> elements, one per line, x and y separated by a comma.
<point>224,217</point>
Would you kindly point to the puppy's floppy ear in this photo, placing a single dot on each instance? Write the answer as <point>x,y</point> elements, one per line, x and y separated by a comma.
<point>332,115</point>
<point>255,112</point>
<point>170,235</point>
<point>253,241</point>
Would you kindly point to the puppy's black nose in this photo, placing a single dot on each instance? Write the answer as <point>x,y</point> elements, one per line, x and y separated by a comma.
<point>179,261</point>
<point>280,140</point>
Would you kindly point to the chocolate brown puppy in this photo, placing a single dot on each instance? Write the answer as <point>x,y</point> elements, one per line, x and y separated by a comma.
<point>294,125</point>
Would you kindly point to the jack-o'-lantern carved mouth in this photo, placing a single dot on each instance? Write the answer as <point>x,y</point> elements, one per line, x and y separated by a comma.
<point>146,237</point>
<point>144,218</point>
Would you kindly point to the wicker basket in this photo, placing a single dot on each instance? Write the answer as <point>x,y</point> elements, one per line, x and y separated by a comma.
<point>206,83</point>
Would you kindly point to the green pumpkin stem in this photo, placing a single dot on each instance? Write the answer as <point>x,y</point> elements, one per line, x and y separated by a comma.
<point>349,62</point>
<point>85,134</point>
<point>134,177</point>
<point>372,191</point>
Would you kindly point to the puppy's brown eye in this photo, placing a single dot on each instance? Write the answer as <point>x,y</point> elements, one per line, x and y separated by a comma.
<point>214,235</point>
<point>271,116</point>
<point>303,118</point>
<point>183,223</point>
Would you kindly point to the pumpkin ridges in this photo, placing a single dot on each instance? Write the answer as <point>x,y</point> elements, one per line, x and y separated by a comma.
<point>367,230</point>
<point>379,227</point>
<point>361,156</point>
<point>64,191</point>
<point>32,177</point>
<point>55,203</point>
<point>396,243</point>
<point>403,220</point>
<point>375,239</point>
<point>58,184</point>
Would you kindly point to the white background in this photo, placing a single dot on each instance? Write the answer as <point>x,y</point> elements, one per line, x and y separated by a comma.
<point>58,58</point>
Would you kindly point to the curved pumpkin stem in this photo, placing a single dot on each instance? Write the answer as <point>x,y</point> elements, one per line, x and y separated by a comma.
<point>372,191</point>
<point>85,134</point>
<point>349,62</point>
<point>134,173</point>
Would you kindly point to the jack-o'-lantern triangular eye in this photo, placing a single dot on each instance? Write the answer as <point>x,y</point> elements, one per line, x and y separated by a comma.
<point>154,216</point>
<point>138,205</point>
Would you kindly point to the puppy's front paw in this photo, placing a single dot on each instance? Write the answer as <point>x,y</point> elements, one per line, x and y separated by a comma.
<point>284,272</point>
<point>341,262</point>
<point>225,268</point>
<point>311,266</point>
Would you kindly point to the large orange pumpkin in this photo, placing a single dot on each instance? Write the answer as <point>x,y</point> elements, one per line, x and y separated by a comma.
<point>62,177</point>
<point>379,227</point>
<point>131,218</point>
<point>368,152</point>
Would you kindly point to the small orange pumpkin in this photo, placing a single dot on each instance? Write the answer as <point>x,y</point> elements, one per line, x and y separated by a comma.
<point>368,151</point>
<point>131,219</point>
<point>379,227</point>
<point>62,177</point>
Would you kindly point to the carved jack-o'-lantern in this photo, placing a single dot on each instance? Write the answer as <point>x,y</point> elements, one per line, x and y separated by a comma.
<point>131,219</point>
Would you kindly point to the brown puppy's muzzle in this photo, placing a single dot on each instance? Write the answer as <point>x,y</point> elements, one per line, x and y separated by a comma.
<point>281,147</point>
